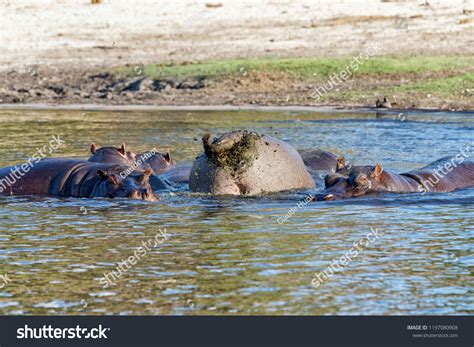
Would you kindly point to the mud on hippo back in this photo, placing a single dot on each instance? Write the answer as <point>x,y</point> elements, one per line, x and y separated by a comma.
<point>246,163</point>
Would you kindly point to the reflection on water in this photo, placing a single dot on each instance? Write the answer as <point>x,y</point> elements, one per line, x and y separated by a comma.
<point>230,255</point>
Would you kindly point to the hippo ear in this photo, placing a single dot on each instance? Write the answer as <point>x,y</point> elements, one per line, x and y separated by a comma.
<point>341,162</point>
<point>93,148</point>
<point>122,149</point>
<point>207,144</point>
<point>167,157</point>
<point>378,169</point>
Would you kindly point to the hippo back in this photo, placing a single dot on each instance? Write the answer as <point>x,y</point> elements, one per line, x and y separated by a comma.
<point>245,163</point>
<point>38,178</point>
<point>317,159</point>
<point>445,174</point>
<point>277,167</point>
<point>158,162</point>
<point>112,155</point>
<point>79,180</point>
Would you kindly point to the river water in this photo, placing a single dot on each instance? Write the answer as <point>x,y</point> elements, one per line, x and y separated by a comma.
<point>225,255</point>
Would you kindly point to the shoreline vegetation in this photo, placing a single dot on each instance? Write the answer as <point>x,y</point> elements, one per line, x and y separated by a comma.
<point>439,82</point>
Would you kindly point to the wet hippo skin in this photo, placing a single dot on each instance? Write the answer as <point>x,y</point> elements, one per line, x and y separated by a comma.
<point>158,162</point>
<point>77,178</point>
<point>317,159</point>
<point>353,181</point>
<point>246,163</point>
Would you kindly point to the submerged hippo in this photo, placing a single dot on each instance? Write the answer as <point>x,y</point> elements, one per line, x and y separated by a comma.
<point>153,160</point>
<point>158,162</point>
<point>341,169</point>
<point>317,159</point>
<point>246,163</point>
<point>444,175</point>
<point>112,155</point>
<point>75,178</point>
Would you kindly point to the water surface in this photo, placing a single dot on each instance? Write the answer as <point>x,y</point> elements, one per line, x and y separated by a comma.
<point>230,255</point>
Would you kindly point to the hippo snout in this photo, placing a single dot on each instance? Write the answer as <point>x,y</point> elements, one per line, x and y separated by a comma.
<point>328,197</point>
<point>324,197</point>
<point>150,197</point>
<point>143,194</point>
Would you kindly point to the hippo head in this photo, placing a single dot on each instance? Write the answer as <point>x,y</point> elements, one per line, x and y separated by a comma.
<point>115,183</point>
<point>158,162</point>
<point>351,181</point>
<point>341,170</point>
<point>112,155</point>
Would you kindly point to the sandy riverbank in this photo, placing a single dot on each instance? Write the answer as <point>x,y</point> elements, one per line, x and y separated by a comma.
<point>57,51</point>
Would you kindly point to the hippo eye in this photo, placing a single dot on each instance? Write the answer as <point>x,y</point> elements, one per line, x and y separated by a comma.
<point>362,180</point>
<point>140,179</point>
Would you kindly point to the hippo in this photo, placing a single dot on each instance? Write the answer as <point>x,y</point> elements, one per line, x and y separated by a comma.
<point>153,160</point>
<point>317,159</point>
<point>354,181</point>
<point>158,162</point>
<point>246,163</point>
<point>76,178</point>
<point>112,155</point>
<point>180,174</point>
<point>341,169</point>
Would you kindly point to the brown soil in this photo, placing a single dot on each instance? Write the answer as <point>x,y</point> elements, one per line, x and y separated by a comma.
<point>55,54</point>
<point>255,88</point>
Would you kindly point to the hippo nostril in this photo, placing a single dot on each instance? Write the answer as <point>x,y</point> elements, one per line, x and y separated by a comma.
<point>329,197</point>
<point>134,194</point>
